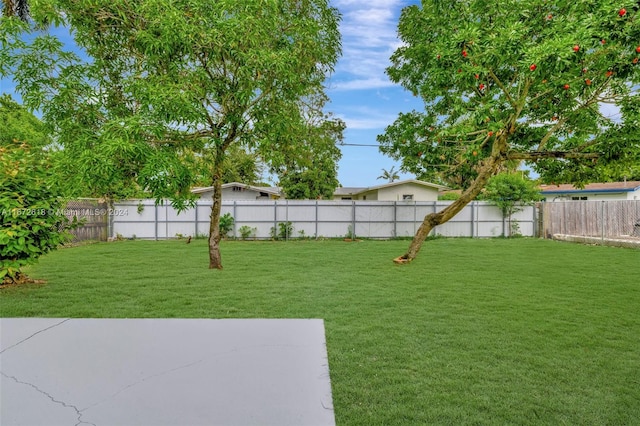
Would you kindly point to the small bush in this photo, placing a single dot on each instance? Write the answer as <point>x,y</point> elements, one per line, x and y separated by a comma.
<point>226,224</point>
<point>247,232</point>
<point>350,235</point>
<point>283,231</point>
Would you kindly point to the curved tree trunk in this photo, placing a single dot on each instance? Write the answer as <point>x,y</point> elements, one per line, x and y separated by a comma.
<point>487,169</point>
<point>215,259</point>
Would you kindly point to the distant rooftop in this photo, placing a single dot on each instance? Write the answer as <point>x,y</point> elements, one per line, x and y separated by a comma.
<point>346,190</point>
<point>627,186</point>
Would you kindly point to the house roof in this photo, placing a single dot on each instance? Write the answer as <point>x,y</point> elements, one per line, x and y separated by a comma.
<point>610,187</point>
<point>267,189</point>
<point>359,190</point>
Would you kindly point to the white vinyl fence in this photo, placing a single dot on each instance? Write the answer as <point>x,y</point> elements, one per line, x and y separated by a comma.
<point>317,219</point>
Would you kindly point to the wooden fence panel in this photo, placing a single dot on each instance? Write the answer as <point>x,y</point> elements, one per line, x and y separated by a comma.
<point>606,219</point>
<point>94,216</point>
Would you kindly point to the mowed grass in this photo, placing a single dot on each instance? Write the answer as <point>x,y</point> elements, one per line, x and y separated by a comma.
<point>475,331</point>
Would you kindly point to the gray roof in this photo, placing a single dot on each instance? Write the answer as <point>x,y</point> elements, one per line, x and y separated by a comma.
<point>268,189</point>
<point>347,190</point>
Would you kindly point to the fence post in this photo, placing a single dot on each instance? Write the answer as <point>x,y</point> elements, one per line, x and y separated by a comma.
<point>110,223</point>
<point>155,221</point>
<point>395,218</point>
<point>316,232</point>
<point>602,214</point>
<point>534,215</point>
<point>473,217</point>
<point>195,231</point>
<point>353,219</point>
<point>275,218</point>
<point>235,224</point>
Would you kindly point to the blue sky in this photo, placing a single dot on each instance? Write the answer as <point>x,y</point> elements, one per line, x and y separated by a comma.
<point>360,92</point>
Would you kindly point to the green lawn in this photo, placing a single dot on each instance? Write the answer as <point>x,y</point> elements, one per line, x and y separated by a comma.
<point>475,331</point>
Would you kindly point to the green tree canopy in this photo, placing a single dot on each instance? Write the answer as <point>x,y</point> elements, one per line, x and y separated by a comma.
<point>240,165</point>
<point>173,78</point>
<point>18,124</point>
<point>312,172</point>
<point>554,84</point>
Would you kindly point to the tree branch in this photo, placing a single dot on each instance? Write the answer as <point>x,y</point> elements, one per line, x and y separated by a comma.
<point>540,155</point>
<point>586,105</point>
<point>503,88</point>
<point>551,131</point>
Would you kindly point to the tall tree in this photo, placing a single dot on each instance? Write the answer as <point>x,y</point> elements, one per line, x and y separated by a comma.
<point>173,77</point>
<point>312,172</point>
<point>511,81</point>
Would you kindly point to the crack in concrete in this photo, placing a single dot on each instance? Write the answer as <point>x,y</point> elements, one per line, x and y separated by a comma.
<point>144,379</point>
<point>48,395</point>
<point>33,335</point>
<point>181,367</point>
<point>80,412</point>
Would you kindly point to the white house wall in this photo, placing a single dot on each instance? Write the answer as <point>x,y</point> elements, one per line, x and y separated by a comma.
<point>595,196</point>
<point>228,194</point>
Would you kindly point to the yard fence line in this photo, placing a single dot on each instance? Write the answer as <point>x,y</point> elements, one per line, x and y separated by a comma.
<point>317,219</point>
<point>367,219</point>
<point>601,219</point>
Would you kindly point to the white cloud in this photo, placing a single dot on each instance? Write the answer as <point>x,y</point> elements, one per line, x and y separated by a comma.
<point>369,38</point>
<point>366,118</point>
<point>361,84</point>
<point>363,3</point>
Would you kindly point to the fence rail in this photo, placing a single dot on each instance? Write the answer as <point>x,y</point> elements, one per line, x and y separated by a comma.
<point>366,219</point>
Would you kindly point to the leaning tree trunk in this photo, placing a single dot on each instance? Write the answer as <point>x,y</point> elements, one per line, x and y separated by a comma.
<point>215,259</point>
<point>488,168</point>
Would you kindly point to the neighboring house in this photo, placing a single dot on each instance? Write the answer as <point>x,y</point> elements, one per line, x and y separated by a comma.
<point>240,191</point>
<point>406,190</point>
<point>592,191</point>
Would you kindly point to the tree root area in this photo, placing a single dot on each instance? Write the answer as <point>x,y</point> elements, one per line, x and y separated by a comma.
<point>19,279</point>
<point>402,260</point>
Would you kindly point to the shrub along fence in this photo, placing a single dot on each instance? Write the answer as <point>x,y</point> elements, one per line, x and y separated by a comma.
<point>316,219</point>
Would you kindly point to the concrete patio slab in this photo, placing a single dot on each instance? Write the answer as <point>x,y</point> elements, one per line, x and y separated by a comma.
<point>163,372</point>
